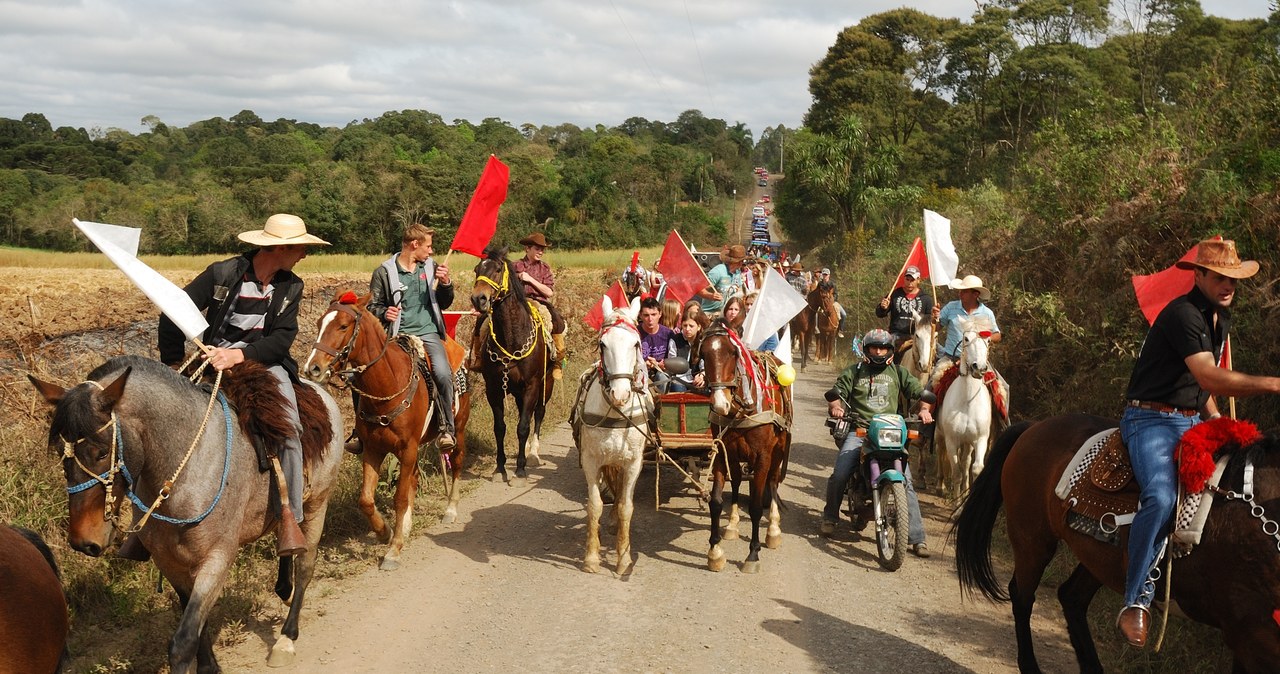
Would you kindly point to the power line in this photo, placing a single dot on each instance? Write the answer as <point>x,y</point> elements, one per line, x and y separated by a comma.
<point>642,57</point>
<point>706,84</point>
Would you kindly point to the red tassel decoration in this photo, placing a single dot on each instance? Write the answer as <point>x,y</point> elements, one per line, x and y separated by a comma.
<point>348,298</point>
<point>1198,445</point>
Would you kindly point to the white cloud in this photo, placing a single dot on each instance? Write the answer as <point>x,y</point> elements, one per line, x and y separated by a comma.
<point>109,63</point>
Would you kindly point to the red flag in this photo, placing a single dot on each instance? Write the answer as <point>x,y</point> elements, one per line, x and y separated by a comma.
<point>916,258</point>
<point>481,219</point>
<point>595,317</point>
<point>1155,291</point>
<point>682,273</point>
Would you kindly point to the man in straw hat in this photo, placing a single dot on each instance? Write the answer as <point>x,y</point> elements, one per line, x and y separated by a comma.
<point>1171,390</point>
<point>540,286</point>
<point>409,292</point>
<point>726,279</point>
<point>251,302</point>
<point>968,307</point>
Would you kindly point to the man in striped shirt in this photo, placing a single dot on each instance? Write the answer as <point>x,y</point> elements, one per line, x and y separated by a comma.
<point>251,302</point>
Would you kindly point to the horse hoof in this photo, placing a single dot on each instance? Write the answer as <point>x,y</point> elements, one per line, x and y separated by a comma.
<point>729,534</point>
<point>772,541</point>
<point>448,518</point>
<point>389,564</point>
<point>591,568</point>
<point>716,565</point>
<point>751,567</point>
<point>282,653</point>
<point>498,477</point>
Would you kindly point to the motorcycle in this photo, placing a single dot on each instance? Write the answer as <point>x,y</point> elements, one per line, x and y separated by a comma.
<point>877,489</point>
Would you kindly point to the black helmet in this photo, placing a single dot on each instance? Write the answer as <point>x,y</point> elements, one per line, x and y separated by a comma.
<point>877,337</point>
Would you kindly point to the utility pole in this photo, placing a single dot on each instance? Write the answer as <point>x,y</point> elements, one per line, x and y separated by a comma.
<point>781,152</point>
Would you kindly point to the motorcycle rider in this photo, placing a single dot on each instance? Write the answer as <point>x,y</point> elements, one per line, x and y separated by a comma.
<point>869,387</point>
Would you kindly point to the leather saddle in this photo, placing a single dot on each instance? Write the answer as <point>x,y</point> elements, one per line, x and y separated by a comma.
<point>1104,494</point>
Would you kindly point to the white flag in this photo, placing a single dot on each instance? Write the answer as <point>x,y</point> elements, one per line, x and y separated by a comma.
<point>120,245</point>
<point>943,260</point>
<point>783,352</point>
<point>777,304</point>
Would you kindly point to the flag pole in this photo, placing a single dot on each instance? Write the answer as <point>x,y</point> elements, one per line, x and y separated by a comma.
<point>903,270</point>
<point>1231,400</point>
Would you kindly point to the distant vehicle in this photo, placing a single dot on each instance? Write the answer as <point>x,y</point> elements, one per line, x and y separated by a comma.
<point>766,198</point>
<point>758,211</point>
<point>763,182</point>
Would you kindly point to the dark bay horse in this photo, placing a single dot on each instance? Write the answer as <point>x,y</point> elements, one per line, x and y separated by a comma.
<point>134,431</point>
<point>33,609</point>
<point>515,358</point>
<point>824,321</point>
<point>802,334</point>
<point>1231,580</point>
<point>751,419</point>
<point>395,413</point>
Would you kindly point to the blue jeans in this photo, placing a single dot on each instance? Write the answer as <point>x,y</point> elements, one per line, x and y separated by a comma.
<point>291,453</point>
<point>433,344</point>
<point>846,463</point>
<point>1151,437</point>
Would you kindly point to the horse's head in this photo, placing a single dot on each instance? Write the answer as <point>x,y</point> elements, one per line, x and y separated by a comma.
<point>337,334</point>
<point>974,347</point>
<point>719,358</point>
<point>620,363</point>
<point>84,431</point>
<point>922,340</point>
<point>495,280</point>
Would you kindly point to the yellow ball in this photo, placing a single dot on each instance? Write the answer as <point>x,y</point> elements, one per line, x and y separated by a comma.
<point>786,374</point>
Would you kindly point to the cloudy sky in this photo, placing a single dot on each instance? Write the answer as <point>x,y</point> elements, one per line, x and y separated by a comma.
<point>108,63</point>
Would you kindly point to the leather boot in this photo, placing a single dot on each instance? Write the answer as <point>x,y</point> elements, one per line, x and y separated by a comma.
<point>1133,623</point>
<point>557,368</point>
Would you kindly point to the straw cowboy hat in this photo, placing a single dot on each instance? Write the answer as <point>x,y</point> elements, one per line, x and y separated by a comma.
<point>535,239</point>
<point>1220,255</point>
<point>282,229</point>
<point>970,282</point>
<point>736,253</point>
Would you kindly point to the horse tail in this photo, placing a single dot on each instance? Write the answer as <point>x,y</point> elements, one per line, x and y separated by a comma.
<point>976,520</point>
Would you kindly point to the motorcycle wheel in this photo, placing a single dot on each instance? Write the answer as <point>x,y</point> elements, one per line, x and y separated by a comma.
<point>891,524</point>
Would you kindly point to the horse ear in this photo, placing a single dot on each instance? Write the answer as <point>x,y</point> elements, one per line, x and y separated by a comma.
<point>606,306</point>
<point>52,393</point>
<point>112,392</point>
<point>363,301</point>
<point>635,307</point>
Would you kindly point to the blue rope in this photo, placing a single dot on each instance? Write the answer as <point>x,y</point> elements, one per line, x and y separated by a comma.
<point>124,470</point>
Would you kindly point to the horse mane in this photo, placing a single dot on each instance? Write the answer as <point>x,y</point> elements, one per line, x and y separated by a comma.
<point>251,389</point>
<point>79,416</point>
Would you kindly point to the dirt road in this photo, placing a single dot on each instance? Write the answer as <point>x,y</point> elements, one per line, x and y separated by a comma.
<point>501,591</point>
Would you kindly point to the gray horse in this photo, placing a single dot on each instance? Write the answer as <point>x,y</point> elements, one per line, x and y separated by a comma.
<point>130,428</point>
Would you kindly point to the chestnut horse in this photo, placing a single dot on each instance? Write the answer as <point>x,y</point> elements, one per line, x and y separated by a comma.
<point>135,432</point>
<point>751,420</point>
<point>33,613</point>
<point>1230,580</point>
<point>515,357</point>
<point>802,334</point>
<point>395,412</point>
<point>825,320</point>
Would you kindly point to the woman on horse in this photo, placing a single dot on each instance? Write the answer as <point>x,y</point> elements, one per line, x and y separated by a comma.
<point>867,388</point>
<point>1174,381</point>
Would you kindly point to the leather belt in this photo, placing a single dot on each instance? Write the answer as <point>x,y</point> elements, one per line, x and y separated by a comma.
<point>1161,407</point>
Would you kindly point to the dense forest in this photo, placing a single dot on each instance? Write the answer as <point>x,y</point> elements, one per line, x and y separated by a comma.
<point>192,189</point>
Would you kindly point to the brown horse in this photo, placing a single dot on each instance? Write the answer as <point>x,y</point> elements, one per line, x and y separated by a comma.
<point>751,419</point>
<point>33,613</point>
<point>1231,580</point>
<point>802,334</point>
<point>395,415</point>
<point>825,320</point>
<point>515,358</point>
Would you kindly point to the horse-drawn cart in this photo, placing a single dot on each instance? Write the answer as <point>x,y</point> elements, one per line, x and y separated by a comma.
<point>684,439</point>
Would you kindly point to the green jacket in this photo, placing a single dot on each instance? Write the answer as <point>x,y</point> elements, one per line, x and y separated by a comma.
<point>867,391</point>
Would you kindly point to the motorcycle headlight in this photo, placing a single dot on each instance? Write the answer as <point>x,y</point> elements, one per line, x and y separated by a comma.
<point>889,437</point>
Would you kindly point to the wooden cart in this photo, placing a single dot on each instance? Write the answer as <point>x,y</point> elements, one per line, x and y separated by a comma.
<point>684,440</point>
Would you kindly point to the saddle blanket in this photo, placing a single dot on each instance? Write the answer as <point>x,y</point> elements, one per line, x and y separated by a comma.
<point>1099,494</point>
<point>995,384</point>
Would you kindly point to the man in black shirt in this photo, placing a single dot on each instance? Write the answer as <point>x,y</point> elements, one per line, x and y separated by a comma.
<point>901,304</point>
<point>1173,381</point>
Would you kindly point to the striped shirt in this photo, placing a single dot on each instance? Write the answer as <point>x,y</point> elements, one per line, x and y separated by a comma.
<point>248,316</point>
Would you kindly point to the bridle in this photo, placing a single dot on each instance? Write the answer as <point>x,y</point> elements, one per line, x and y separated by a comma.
<point>966,368</point>
<point>503,290</point>
<point>343,355</point>
<point>639,374</point>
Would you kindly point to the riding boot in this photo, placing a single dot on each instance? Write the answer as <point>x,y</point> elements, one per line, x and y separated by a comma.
<point>557,371</point>
<point>132,548</point>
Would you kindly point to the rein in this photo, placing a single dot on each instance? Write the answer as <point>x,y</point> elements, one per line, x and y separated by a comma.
<point>1270,527</point>
<point>116,465</point>
<point>343,356</point>
<point>502,291</point>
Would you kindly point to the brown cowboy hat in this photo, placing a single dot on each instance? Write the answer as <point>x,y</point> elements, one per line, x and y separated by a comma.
<point>736,253</point>
<point>281,229</point>
<point>535,239</point>
<point>797,266</point>
<point>1220,255</point>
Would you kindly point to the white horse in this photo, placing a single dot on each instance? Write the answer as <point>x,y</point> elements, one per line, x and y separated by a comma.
<point>918,358</point>
<point>611,421</point>
<point>964,415</point>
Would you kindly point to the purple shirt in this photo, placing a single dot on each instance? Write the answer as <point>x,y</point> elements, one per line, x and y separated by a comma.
<point>658,344</point>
